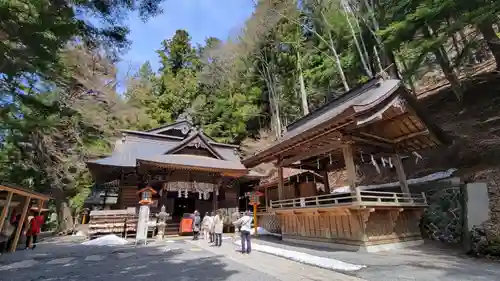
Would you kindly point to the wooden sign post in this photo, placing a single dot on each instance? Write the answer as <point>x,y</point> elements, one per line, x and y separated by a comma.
<point>254,201</point>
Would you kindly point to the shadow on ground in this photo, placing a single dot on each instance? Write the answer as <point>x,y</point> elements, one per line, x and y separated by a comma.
<point>79,262</point>
<point>431,261</point>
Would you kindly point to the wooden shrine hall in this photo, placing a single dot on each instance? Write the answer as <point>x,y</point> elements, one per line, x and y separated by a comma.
<point>379,118</point>
<point>187,169</point>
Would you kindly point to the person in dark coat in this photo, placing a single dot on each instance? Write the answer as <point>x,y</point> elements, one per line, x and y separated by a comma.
<point>196,225</point>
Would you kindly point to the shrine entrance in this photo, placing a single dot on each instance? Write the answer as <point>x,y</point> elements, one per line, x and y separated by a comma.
<point>183,205</point>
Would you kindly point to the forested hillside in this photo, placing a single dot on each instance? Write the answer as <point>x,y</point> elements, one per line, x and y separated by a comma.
<point>58,79</point>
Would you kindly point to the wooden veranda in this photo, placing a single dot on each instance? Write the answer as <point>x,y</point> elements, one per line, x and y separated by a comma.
<point>379,119</point>
<point>23,200</point>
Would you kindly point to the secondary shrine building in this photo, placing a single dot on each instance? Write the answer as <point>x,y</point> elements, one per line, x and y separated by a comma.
<point>189,170</point>
<point>379,119</point>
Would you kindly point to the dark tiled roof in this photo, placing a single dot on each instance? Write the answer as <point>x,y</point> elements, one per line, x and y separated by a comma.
<point>194,161</point>
<point>365,94</point>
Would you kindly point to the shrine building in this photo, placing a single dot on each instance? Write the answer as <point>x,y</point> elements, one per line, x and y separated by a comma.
<point>379,118</point>
<point>188,170</point>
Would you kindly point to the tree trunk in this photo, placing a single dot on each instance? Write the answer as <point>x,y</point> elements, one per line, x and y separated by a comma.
<point>444,62</point>
<point>303,94</point>
<point>336,55</point>
<point>449,73</point>
<point>356,43</point>
<point>64,216</point>
<point>468,54</point>
<point>491,39</point>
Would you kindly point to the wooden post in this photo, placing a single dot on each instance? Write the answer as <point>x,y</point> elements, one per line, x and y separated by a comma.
<point>5,209</point>
<point>40,206</point>
<point>401,174</point>
<point>326,182</point>
<point>266,199</point>
<point>255,217</point>
<point>350,166</point>
<point>215,198</point>
<point>280,183</point>
<point>20,225</point>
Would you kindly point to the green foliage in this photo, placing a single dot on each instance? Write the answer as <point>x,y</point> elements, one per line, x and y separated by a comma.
<point>59,106</point>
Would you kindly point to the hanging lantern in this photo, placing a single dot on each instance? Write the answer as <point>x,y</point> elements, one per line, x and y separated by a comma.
<point>185,193</point>
<point>199,195</point>
<point>179,193</point>
<point>318,163</point>
<point>330,155</point>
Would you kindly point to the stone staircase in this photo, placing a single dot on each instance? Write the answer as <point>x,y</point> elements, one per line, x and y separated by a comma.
<point>172,227</point>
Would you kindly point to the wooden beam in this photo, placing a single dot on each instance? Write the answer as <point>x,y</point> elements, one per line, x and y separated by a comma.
<point>311,153</point>
<point>382,139</point>
<point>280,183</point>
<point>20,225</point>
<point>410,136</point>
<point>5,209</point>
<point>24,193</point>
<point>350,166</point>
<point>401,173</point>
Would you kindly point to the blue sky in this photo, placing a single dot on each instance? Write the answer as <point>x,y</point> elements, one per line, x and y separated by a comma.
<point>201,18</point>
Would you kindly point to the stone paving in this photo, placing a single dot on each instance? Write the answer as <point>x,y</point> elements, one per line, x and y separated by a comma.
<point>278,267</point>
<point>168,261</point>
<point>68,260</point>
<point>429,262</point>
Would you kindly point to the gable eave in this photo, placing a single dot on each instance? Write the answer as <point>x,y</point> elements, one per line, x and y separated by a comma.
<point>188,140</point>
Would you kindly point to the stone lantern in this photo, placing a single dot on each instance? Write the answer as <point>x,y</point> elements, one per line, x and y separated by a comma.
<point>146,195</point>
<point>162,219</point>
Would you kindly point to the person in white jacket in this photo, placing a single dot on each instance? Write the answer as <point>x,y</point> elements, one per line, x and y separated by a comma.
<point>218,227</point>
<point>211,227</point>
<point>206,224</point>
<point>245,224</point>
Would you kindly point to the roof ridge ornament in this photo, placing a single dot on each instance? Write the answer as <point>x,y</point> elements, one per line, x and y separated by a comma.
<point>185,116</point>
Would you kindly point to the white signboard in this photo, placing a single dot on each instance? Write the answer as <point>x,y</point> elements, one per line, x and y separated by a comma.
<point>142,225</point>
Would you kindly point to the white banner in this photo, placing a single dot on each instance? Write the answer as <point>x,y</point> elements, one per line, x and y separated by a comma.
<point>142,225</point>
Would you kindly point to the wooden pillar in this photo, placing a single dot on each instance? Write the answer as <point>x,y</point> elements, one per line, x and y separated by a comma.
<point>5,209</point>
<point>40,206</point>
<point>401,173</point>
<point>350,166</point>
<point>215,198</point>
<point>326,182</point>
<point>280,183</point>
<point>20,225</point>
<point>266,197</point>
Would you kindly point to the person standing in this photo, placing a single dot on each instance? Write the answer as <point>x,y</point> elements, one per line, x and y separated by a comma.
<point>205,226</point>
<point>212,227</point>
<point>245,224</point>
<point>218,227</point>
<point>33,231</point>
<point>196,225</point>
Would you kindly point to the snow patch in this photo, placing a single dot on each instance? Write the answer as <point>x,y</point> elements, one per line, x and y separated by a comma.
<point>263,231</point>
<point>106,240</point>
<point>79,233</point>
<point>432,177</point>
<point>306,258</point>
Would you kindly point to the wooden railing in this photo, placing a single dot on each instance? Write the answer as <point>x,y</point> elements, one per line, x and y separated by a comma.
<point>358,198</point>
